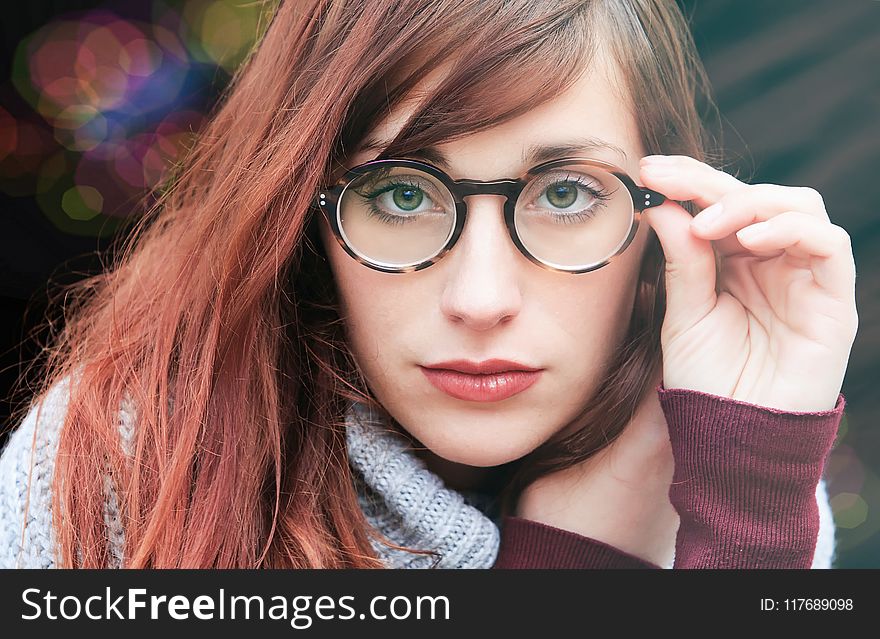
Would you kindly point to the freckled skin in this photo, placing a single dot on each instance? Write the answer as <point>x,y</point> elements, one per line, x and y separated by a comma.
<point>484,299</point>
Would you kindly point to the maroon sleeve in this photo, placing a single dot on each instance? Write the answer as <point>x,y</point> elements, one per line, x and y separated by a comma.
<point>744,487</point>
<point>532,544</point>
<point>745,480</point>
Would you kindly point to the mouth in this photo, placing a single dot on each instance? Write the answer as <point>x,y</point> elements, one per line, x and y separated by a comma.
<point>489,381</point>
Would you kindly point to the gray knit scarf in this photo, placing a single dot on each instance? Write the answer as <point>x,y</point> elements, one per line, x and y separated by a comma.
<point>411,506</point>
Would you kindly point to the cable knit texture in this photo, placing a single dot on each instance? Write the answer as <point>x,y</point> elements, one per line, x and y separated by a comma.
<point>410,505</point>
<point>400,497</point>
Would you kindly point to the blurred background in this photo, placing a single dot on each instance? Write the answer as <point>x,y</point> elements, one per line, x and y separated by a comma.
<point>99,99</point>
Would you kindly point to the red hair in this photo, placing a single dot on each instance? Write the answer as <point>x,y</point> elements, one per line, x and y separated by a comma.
<point>219,320</point>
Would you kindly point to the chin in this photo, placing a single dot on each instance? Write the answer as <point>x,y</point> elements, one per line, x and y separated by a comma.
<point>479,455</point>
<point>484,440</point>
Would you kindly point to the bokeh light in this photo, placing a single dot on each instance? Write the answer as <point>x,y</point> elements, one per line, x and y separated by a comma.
<point>140,57</point>
<point>220,32</point>
<point>8,133</point>
<point>82,202</point>
<point>111,104</point>
<point>852,487</point>
<point>850,510</point>
<point>19,169</point>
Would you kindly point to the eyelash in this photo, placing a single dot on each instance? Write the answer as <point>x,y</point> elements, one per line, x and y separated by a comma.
<point>389,218</point>
<point>602,196</point>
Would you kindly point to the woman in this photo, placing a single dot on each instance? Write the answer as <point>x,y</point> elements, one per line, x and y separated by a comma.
<point>264,378</point>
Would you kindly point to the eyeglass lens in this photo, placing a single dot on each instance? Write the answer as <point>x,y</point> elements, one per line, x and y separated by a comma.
<point>570,216</point>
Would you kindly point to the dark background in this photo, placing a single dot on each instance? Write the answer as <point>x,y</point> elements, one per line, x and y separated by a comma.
<point>797,83</point>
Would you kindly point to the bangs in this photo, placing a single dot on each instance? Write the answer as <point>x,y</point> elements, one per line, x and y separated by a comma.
<point>493,63</point>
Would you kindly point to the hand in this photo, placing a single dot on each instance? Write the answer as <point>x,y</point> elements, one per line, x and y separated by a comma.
<point>777,326</point>
<point>620,495</point>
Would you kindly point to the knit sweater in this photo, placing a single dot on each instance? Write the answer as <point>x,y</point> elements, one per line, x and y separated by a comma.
<point>748,486</point>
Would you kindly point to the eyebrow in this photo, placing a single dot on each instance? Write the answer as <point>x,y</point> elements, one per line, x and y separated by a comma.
<point>534,154</point>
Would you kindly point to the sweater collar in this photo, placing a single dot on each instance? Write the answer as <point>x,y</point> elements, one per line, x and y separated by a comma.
<point>411,506</point>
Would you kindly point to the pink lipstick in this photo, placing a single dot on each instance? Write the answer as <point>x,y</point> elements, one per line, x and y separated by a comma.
<point>489,381</point>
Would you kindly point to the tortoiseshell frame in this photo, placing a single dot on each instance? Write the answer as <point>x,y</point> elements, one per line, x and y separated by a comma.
<point>328,200</point>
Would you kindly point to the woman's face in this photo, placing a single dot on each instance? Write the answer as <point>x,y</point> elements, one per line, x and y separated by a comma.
<point>485,300</point>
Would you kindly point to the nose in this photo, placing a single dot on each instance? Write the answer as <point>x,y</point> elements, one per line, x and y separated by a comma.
<point>483,283</point>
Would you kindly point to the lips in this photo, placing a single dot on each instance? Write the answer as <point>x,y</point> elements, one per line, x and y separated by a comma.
<point>488,366</point>
<point>489,381</point>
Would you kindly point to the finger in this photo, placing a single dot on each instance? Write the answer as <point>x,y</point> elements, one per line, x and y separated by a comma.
<point>755,203</point>
<point>825,248</point>
<point>690,267</point>
<point>684,178</point>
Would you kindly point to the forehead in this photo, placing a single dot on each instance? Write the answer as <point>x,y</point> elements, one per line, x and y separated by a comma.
<point>591,118</point>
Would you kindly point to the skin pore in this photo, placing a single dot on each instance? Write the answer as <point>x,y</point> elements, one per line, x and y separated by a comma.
<point>485,300</point>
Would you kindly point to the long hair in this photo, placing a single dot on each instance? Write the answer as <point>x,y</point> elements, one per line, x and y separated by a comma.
<point>218,321</point>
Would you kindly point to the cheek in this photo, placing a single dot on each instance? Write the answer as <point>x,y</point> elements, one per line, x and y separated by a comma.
<point>371,304</point>
<point>595,312</point>
<point>596,316</point>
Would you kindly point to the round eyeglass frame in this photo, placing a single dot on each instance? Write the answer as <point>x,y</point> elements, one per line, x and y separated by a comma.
<point>328,199</point>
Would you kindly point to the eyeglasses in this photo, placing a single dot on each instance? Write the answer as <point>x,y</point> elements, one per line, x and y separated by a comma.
<point>572,215</point>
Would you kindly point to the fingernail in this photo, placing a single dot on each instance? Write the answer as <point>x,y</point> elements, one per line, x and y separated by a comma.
<point>708,216</point>
<point>659,170</point>
<point>752,232</point>
<point>659,159</point>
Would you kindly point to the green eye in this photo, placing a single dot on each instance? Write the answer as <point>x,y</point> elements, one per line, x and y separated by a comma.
<point>562,194</point>
<point>407,198</point>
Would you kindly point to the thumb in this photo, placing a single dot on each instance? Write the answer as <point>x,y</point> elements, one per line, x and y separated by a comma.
<point>690,267</point>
